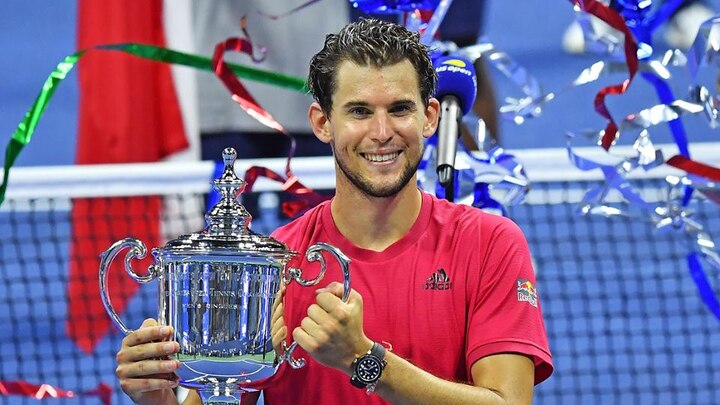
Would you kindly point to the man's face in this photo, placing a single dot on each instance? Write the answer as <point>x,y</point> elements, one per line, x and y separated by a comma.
<point>377,125</point>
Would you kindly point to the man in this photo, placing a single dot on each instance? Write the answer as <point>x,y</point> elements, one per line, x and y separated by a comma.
<point>443,307</point>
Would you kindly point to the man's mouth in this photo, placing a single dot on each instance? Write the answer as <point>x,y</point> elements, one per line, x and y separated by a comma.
<point>380,157</point>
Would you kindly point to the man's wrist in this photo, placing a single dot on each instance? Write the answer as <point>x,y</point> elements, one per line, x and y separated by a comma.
<point>368,368</point>
<point>361,350</point>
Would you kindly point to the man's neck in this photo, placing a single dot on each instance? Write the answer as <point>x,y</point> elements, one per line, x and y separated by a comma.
<point>375,223</point>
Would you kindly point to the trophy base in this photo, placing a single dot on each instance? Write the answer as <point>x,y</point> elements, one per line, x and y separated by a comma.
<point>233,373</point>
<point>216,397</point>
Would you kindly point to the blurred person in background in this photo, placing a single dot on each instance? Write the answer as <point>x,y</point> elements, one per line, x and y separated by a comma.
<point>680,30</point>
<point>290,41</point>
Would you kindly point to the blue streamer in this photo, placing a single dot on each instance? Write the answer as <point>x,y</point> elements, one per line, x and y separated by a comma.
<point>642,24</point>
<point>666,10</point>
<point>504,169</point>
<point>704,287</point>
<point>677,129</point>
<point>483,200</point>
<point>614,178</point>
<point>666,96</point>
<point>393,6</point>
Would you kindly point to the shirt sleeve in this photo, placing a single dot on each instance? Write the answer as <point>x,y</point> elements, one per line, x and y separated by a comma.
<point>505,313</point>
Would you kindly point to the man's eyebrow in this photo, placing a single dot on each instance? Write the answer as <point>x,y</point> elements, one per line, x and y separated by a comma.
<point>351,104</point>
<point>404,102</point>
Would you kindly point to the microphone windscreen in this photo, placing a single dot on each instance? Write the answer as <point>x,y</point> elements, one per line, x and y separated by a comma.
<point>456,77</point>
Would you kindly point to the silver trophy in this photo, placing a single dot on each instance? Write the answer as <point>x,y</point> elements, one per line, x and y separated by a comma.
<point>216,289</point>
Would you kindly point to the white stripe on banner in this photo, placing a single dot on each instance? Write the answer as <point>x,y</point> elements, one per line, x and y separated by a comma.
<point>180,35</point>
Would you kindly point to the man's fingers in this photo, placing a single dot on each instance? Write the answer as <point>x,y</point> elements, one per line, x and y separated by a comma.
<point>318,314</point>
<point>279,336</point>
<point>330,297</point>
<point>279,331</point>
<point>327,300</point>
<point>335,288</point>
<point>147,368</point>
<point>279,296</point>
<point>277,313</point>
<point>312,328</point>
<point>137,386</point>
<point>277,322</point>
<point>147,351</point>
<point>147,334</point>
<point>304,340</point>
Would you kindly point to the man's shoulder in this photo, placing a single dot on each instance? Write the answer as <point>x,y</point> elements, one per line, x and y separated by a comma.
<point>466,216</point>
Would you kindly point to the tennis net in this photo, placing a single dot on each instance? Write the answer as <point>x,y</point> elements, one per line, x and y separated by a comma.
<point>624,318</point>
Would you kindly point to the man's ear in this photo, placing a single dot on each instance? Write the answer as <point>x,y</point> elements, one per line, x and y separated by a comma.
<point>432,113</point>
<point>319,122</point>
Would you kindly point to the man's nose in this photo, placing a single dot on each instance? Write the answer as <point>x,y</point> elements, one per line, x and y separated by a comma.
<point>381,130</point>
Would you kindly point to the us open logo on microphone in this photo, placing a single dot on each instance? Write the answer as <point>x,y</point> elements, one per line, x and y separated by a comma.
<point>454,65</point>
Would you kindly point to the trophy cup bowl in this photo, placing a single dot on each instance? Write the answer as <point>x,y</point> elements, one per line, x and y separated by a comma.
<point>216,289</point>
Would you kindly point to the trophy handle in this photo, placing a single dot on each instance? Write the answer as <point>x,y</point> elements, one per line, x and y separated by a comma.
<point>137,251</point>
<point>314,253</point>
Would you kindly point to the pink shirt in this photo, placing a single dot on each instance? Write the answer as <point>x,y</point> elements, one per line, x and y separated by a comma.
<point>459,286</point>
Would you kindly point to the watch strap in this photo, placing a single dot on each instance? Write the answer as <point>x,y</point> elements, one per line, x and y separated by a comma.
<point>377,351</point>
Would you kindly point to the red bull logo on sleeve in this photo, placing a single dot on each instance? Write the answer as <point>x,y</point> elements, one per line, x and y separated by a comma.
<point>526,292</point>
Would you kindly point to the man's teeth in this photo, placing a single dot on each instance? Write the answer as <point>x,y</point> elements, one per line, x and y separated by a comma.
<point>381,158</point>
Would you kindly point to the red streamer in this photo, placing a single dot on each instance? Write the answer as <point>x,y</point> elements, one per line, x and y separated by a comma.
<point>694,167</point>
<point>615,20</point>
<point>43,391</point>
<point>247,102</point>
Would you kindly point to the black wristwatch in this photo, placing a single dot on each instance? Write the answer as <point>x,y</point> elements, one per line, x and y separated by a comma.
<point>368,368</point>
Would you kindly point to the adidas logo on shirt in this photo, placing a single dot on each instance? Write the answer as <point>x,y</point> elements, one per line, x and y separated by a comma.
<point>438,281</point>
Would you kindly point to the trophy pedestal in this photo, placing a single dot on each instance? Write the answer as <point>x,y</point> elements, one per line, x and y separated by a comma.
<point>220,396</point>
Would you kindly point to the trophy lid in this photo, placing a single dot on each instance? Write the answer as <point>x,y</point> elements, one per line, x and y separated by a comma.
<point>228,224</point>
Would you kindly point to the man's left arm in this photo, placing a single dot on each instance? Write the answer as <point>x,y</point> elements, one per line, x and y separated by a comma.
<point>332,333</point>
<point>498,379</point>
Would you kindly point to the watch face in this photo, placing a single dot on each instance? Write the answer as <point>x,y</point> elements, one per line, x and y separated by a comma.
<point>368,369</point>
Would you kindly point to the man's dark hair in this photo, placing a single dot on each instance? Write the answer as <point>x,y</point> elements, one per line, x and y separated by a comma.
<point>368,42</point>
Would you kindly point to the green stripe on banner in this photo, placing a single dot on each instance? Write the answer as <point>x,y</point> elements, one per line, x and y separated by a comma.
<point>26,127</point>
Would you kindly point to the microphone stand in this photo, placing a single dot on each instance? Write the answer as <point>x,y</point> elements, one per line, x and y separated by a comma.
<point>450,115</point>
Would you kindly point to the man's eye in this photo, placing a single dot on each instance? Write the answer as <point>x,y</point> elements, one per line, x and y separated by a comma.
<point>359,111</point>
<point>401,109</point>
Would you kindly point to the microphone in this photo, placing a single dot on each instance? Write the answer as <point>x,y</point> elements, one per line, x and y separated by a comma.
<point>456,90</point>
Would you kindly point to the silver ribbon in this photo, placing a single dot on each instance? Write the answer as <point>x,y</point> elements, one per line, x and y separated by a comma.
<point>668,214</point>
<point>505,176</point>
<point>706,47</point>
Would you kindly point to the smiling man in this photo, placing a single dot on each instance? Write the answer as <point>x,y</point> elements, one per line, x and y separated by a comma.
<point>379,114</point>
<point>439,310</point>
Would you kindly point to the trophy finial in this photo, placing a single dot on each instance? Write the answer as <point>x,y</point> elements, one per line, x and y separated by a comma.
<point>229,182</point>
<point>228,217</point>
<point>229,155</point>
